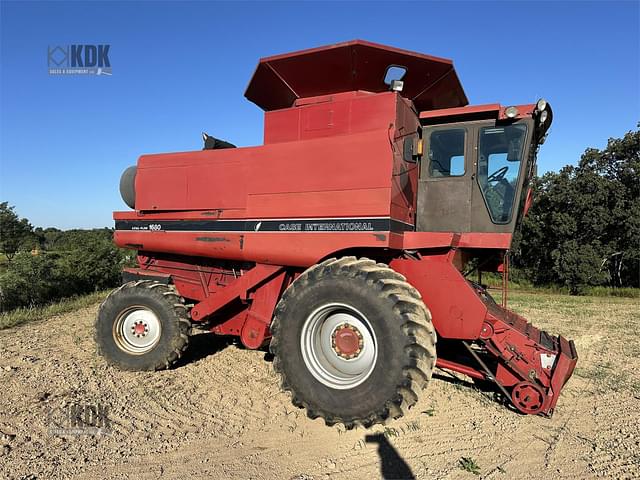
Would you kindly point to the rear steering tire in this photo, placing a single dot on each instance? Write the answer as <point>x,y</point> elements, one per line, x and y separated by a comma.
<point>353,342</point>
<point>143,325</point>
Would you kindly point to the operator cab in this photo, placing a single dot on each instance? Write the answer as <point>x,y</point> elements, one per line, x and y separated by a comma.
<point>477,165</point>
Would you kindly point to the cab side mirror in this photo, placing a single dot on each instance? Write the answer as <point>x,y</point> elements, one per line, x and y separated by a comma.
<point>411,149</point>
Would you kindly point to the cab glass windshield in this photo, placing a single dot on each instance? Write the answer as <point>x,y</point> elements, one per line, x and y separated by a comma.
<point>500,152</point>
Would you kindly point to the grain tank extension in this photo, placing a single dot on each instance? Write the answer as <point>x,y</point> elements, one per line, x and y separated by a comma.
<point>351,244</point>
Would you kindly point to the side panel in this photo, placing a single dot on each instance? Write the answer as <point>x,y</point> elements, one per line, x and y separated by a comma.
<point>277,248</point>
<point>405,174</point>
<point>316,204</point>
<point>329,115</point>
<point>337,177</point>
<point>457,311</point>
<point>193,180</point>
<point>349,162</point>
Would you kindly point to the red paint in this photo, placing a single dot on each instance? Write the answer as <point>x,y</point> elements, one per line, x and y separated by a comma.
<point>347,341</point>
<point>276,248</point>
<point>491,110</point>
<point>281,175</point>
<point>461,368</point>
<point>237,290</point>
<point>430,82</point>
<point>263,301</point>
<point>528,201</point>
<point>458,315</point>
<point>414,240</point>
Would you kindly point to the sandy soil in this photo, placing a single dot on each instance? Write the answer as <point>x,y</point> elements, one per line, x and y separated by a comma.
<point>220,414</point>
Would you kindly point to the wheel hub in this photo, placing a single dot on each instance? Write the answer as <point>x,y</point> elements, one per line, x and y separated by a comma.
<point>140,329</point>
<point>528,398</point>
<point>137,330</point>
<point>338,346</point>
<point>347,341</point>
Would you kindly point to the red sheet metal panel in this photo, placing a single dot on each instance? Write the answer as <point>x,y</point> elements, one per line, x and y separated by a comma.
<point>456,309</point>
<point>330,115</point>
<point>297,249</point>
<point>490,110</point>
<point>430,82</point>
<point>260,180</point>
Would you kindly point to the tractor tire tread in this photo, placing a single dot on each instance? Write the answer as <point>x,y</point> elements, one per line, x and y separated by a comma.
<point>420,352</point>
<point>180,314</point>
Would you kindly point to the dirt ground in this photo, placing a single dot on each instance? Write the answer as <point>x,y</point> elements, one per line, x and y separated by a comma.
<point>220,413</point>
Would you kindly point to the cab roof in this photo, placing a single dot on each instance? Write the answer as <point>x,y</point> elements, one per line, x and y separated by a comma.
<point>430,82</point>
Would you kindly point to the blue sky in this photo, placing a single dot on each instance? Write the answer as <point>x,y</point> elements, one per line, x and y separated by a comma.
<point>179,69</point>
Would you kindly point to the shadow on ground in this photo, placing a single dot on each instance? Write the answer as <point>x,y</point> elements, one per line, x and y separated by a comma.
<point>202,345</point>
<point>392,465</point>
<point>485,387</point>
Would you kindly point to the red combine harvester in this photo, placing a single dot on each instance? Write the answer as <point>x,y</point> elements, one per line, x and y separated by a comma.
<point>346,242</point>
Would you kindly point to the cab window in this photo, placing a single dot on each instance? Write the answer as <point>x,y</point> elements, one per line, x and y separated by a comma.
<point>499,159</point>
<point>446,153</point>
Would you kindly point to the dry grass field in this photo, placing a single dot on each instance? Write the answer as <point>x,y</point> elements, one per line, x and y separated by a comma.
<point>219,413</point>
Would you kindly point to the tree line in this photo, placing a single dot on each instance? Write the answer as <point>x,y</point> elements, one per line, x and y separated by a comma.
<point>584,226</point>
<point>582,230</point>
<point>44,265</point>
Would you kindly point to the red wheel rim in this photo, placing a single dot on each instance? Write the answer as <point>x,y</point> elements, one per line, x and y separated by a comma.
<point>528,398</point>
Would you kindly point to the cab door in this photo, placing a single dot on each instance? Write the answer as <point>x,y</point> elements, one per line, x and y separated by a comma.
<point>500,155</point>
<point>446,178</point>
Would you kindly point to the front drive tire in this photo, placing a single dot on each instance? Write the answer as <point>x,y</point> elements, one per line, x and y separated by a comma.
<point>353,342</point>
<point>143,325</point>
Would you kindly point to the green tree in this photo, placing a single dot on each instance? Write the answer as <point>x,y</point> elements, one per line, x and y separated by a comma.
<point>75,262</point>
<point>619,164</point>
<point>90,259</point>
<point>15,232</point>
<point>584,226</point>
<point>31,280</point>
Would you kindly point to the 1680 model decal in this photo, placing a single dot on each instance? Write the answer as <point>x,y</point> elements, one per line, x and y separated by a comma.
<point>153,227</point>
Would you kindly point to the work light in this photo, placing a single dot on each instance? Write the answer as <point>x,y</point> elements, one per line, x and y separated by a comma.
<point>511,112</point>
<point>543,116</point>
<point>541,105</point>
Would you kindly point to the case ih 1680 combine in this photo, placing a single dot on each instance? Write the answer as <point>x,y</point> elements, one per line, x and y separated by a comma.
<point>346,242</point>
